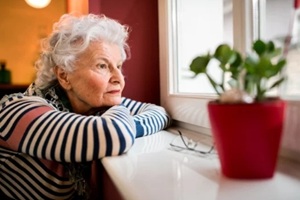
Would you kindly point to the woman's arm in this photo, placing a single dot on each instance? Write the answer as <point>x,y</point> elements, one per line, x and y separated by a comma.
<point>32,126</point>
<point>149,118</point>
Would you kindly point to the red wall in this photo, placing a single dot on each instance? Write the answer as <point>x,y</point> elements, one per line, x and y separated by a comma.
<point>142,70</point>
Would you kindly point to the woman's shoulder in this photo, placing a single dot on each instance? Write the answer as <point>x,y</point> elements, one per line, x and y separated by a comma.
<point>15,97</point>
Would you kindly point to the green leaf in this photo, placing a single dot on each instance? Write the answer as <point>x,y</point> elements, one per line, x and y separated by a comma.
<point>235,66</point>
<point>199,64</point>
<point>280,65</point>
<point>223,53</point>
<point>251,63</point>
<point>259,47</point>
<point>264,68</point>
<point>270,46</point>
<point>237,61</point>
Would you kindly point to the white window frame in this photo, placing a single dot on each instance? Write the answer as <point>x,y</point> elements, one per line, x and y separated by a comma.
<point>190,111</point>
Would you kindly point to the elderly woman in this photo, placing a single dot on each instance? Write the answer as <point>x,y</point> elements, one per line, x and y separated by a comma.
<point>73,113</point>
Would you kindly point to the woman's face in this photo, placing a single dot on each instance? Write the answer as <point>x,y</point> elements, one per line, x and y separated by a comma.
<point>97,80</point>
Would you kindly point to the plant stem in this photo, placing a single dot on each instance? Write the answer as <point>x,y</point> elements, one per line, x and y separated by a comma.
<point>214,84</point>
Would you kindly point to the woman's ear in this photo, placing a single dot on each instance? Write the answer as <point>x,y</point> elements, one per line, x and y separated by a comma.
<point>62,77</point>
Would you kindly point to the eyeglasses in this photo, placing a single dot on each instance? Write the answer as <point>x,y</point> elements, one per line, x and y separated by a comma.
<point>181,143</point>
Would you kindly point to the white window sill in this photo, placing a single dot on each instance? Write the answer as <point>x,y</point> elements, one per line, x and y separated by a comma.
<point>150,170</point>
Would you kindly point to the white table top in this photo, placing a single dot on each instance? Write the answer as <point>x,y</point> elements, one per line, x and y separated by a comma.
<point>150,170</point>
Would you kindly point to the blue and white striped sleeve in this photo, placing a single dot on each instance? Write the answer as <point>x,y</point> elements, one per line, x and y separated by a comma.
<point>148,118</point>
<point>30,125</point>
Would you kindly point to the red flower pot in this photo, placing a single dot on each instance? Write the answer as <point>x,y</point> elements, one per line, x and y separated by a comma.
<point>247,137</point>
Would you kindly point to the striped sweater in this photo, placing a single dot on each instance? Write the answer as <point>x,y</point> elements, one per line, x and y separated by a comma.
<point>38,142</point>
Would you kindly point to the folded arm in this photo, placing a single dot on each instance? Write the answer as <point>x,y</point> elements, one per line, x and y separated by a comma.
<point>148,118</point>
<point>30,125</point>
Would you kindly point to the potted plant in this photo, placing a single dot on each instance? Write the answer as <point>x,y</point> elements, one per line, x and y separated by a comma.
<point>246,123</point>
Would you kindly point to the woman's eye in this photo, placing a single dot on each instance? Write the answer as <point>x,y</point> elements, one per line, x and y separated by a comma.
<point>102,66</point>
<point>119,67</point>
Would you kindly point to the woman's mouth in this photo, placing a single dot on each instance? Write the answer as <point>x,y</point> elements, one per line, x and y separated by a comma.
<point>114,92</point>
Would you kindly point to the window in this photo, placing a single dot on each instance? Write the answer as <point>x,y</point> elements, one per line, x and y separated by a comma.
<point>192,35</point>
<point>184,33</point>
<point>278,19</point>
<point>238,23</point>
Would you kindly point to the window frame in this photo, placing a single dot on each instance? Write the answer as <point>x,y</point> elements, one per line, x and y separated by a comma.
<point>189,111</point>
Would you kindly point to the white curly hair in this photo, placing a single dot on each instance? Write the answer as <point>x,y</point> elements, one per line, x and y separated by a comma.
<point>71,35</point>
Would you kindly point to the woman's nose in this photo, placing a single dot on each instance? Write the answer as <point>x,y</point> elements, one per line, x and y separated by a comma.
<point>116,75</point>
